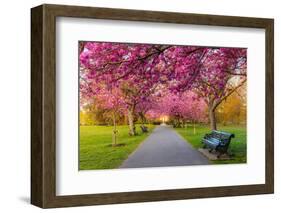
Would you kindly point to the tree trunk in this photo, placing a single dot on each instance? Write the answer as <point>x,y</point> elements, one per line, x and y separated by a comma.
<point>182,123</point>
<point>132,128</point>
<point>143,119</point>
<point>114,140</point>
<point>212,116</point>
<point>194,129</point>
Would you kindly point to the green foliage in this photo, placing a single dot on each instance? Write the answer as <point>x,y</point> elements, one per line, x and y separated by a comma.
<point>97,152</point>
<point>86,118</point>
<point>234,109</point>
<point>238,145</point>
<point>94,115</point>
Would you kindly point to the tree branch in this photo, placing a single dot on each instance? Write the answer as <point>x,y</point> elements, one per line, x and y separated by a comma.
<point>216,103</point>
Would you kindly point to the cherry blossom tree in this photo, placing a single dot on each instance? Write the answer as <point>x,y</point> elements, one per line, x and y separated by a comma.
<point>140,71</point>
<point>222,73</point>
<point>214,74</point>
<point>128,67</point>
<point>182,108</point>
<point>109,100</point>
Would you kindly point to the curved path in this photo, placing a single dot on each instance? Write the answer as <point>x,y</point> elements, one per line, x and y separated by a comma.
<point>164,147</point>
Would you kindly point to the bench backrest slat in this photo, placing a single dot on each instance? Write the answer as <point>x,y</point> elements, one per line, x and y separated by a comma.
<point>222,135</point>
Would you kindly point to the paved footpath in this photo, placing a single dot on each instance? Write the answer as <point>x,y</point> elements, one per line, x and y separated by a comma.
<point>164,147</point>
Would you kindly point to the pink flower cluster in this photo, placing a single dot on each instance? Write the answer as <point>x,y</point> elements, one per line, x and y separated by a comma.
<point>158,79</point>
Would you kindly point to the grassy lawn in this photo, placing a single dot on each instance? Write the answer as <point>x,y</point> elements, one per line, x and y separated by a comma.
<point>96,151</point>
<point>238,146</point>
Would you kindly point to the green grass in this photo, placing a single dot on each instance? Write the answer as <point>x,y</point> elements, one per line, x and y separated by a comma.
<point>96,151</point>
<point>238,145</point>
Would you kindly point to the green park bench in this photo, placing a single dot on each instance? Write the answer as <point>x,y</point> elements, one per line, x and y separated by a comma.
<point>218,141</point>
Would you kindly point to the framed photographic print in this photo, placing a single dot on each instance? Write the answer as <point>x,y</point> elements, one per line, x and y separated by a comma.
<point>136,106</point>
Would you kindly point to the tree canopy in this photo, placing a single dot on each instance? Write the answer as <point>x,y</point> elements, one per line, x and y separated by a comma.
<point>183,82</point>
